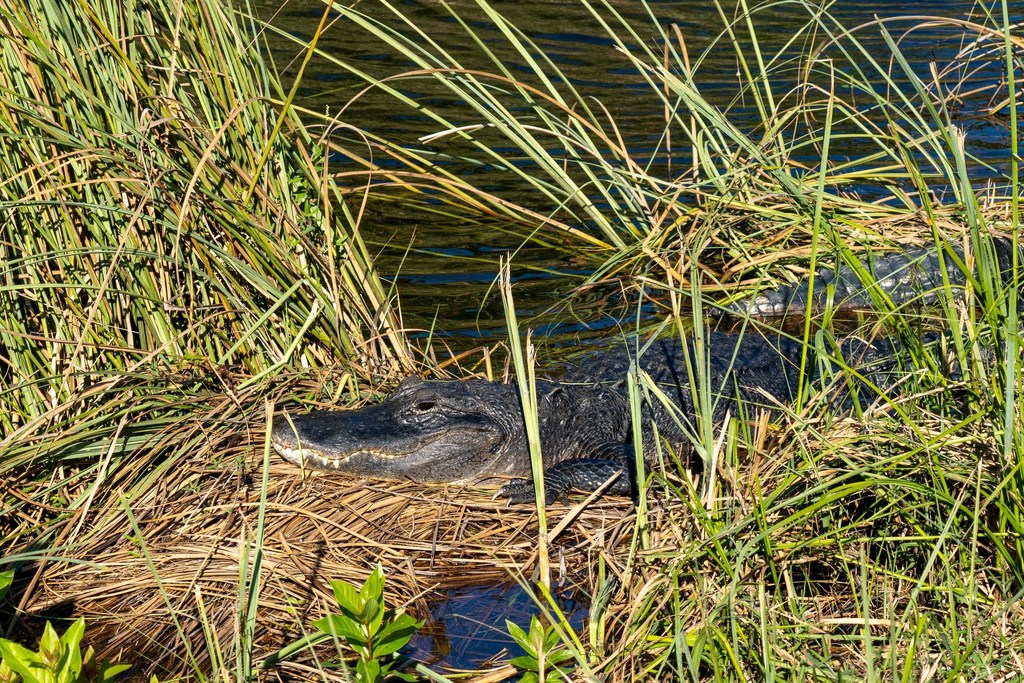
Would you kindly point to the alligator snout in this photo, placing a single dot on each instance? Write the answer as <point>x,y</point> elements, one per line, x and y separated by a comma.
<point>425,431</point>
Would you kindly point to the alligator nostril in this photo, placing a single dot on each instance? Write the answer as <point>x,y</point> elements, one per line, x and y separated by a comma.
<point>283,430</point>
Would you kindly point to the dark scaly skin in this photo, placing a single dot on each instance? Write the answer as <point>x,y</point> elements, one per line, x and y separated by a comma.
<point>911,276</point>
<point>474,430</point>
<point>580,474</point>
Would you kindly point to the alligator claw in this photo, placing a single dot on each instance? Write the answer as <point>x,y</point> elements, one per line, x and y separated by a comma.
<point>522,491</point>
<point>518,491</point>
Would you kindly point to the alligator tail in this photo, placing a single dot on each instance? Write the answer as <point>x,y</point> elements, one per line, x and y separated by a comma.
<point>912,276</point>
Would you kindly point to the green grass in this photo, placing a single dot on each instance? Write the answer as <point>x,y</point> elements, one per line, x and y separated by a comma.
<point>742,199</point>
<point>882,549</point>
<point>171,244</point>
<point>176,244</point>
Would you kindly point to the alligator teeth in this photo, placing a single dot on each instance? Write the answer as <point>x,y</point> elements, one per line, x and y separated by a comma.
<point>305,458</point>
<point>290,454</point>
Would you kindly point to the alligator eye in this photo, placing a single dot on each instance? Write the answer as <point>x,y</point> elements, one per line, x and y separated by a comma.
<point>424,406</point>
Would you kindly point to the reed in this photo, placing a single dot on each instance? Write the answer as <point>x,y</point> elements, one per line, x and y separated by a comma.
<point>881,548</point>
<point>751,192</point>
<point>170,242</point>
<point>175,238</point>
<point>165,242</point>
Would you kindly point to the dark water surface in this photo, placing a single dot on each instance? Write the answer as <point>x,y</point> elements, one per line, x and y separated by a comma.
<point>466,629</point>
<point>444,268</point>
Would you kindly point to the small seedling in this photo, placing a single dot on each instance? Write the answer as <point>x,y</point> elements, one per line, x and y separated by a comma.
<point>543,658</point>
<point>59,660</point>
<point>374,633</point>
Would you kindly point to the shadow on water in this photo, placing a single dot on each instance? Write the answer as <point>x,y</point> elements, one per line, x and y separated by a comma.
<point>466,629</point>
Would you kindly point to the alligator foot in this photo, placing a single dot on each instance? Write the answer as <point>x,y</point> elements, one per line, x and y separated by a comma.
<point>580,474</point>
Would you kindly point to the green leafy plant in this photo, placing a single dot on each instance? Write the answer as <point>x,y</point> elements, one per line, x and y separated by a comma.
<point>544,656</point>
<point>6,579</point>
<point>59,660</point>
<point>373,632</point>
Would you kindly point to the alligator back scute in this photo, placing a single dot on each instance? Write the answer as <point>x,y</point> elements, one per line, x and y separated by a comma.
<point>911,276</point>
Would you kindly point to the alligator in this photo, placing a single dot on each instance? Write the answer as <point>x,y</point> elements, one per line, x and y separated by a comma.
<point>474,430</point>
<point>912,276</point>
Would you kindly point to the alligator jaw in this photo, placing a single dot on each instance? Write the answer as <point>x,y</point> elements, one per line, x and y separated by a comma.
<point>358,460</point>
<point>425,431</point>
<point>302,457</point>
<point>309,457</point>
<point>428,465</point>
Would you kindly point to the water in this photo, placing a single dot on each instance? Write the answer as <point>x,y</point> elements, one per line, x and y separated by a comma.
<point>466,629</point>
<point>444,267</point>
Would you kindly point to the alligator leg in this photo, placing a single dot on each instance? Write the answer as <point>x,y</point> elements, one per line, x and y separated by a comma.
<point>579,474</point>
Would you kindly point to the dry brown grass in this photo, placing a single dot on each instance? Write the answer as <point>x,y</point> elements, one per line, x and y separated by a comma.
<point>703,569</point>
<point>197,523</point>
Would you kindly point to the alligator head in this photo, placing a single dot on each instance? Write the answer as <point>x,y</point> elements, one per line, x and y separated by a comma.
<point>428,431</point>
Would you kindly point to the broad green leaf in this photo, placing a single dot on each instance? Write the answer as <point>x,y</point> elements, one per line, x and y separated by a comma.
<point>49,647</point>
<point>19,659</point>
<point>89,659</point>
<point>344,627</point>
<point>551,640</point>
<point>394,642</point>
<point>372,609</point>
<point>347,596</point>
<point>6,578</point>
<point>73,636</point>
<point>368,670</point>
<point>6,673</point>
<point>340,625</point>
<point>374,586</point>
<point>109,672</point>
<point>519,635</point>
<point>536,633</point>
<point>398,623</point>
<point>525,662</point>
<point>71,658</point>
<point>382,616</point>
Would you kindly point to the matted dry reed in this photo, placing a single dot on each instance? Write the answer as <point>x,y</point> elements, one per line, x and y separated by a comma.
<point>198,528</point>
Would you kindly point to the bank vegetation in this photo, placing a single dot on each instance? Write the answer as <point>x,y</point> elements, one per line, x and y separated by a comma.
<point>182,254</point>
